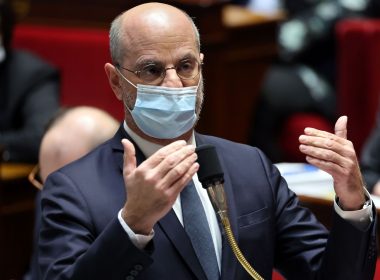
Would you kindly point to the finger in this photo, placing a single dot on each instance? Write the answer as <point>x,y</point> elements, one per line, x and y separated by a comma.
<point>172,174</point>
<point>326,166</point>
<point>175,164</point>
<point>322,154</point>
<point>336,144</point>
<point>162,153</point>
<point>319,133</point>
<point>129,156</point>
<point>182,181</point>
<point>341,127</point>
<point>320,136</point>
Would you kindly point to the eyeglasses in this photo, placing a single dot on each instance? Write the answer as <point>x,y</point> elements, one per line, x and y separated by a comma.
<point>34,177</point>
<point>154,74</point>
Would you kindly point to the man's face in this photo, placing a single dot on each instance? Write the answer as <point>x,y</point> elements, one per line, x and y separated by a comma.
<point>167,46</point>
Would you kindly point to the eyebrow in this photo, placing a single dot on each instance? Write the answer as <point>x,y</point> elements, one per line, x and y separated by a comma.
<point>187,56</point>
<point>140,64</point>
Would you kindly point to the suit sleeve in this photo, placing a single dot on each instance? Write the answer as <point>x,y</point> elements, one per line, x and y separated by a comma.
<point>70,247</point>
<point>305,250</point>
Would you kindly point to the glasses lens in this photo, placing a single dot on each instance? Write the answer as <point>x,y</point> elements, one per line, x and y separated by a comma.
<point>188,69</point>
<point>151,73</point>
<point>155,73</point>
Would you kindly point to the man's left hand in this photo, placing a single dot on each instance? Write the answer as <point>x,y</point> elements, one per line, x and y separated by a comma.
<point>336,155</point>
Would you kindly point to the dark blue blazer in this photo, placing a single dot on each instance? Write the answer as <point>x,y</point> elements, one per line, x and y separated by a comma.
<point>81,237</point>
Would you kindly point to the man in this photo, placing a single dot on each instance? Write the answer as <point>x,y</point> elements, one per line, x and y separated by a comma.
<point>119,212</point>
<point>29,96</point>
<point>71,134</point>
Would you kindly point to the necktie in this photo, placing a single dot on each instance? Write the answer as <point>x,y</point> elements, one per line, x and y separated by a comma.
<point>196,226</point>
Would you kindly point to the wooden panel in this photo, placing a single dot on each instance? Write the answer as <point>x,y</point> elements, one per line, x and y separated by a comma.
<point>16,223</point>
<point>234,69</point>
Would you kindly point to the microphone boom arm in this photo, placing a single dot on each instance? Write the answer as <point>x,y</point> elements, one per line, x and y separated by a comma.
<point>219,203</point>
<point>211,176</point>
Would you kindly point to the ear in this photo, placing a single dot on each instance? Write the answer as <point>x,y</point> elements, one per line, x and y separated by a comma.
<point>201,56</point>
<point>114,80</point>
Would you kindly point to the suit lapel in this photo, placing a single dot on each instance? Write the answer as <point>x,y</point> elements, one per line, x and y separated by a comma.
<point>169,224</point>
<point>175,232</point>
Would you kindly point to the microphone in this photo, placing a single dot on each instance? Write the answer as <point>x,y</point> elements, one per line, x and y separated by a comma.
<point>211,176</point>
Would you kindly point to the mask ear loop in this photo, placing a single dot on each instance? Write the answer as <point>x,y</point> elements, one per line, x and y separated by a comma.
<point>199,82</point>
<point>118,71</point>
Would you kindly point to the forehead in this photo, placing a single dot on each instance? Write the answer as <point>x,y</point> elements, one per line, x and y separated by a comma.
<point>159,36</point>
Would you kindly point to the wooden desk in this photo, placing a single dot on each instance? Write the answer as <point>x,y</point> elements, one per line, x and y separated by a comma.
<point>16,219</point>
<point>13,171</point>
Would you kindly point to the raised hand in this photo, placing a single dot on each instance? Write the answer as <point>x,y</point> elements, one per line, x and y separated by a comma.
<point>153,186</point>
<point>336,155</point>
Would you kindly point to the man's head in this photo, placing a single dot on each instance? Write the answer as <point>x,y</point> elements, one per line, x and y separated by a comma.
<point>72,134</point>
<point>153,34</point>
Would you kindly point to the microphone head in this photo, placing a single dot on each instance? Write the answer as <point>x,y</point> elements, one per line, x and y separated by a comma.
<point>210,171</point>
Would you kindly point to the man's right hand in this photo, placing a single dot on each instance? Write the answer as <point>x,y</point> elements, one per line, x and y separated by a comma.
<point>153,186</point>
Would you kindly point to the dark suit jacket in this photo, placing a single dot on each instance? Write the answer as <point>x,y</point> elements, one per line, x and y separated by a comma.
<point>29,97</point>
<point>81,237</point>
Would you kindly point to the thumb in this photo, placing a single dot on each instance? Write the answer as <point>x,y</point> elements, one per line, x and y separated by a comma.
<point>129,156</point>
<point>341,127</point>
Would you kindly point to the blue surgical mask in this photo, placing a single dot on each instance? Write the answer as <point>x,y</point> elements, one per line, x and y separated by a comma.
<point>164,112</point>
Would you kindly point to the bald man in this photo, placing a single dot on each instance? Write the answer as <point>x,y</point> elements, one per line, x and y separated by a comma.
<point>71,134</point>
<point>126,210</point>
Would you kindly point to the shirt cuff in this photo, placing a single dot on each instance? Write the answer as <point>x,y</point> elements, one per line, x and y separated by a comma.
<point>139,240</point>
<point>358,218</point>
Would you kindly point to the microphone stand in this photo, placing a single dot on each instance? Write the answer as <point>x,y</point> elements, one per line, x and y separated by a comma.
<point>211,175</point>
<point>219,203</point>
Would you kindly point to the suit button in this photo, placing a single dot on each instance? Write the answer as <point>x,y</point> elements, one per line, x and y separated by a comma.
<point>129,277</point>
<point>134,272</point>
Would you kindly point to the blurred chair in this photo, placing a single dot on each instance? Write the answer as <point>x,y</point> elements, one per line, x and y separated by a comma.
<point>359,76</point>
<point>358,87</point>
<point>277,276</point>
<point>377,271</point>
<point>79,54</point>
